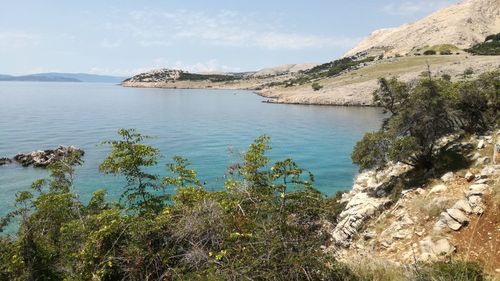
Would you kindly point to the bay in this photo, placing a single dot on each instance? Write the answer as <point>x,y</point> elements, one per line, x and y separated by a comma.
<point>209,127</point>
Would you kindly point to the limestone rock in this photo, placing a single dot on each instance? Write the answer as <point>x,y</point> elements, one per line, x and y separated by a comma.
<point>438,188</point>
<point>446,219</point>
<point>480,144</point>
<point>447,177</point>
<point>43,158</point>
<point>476,203</point>
<point>477,189</point>
<point>469,176</point>
<point>434,250</point>
<point>463,206</point>
<point>487,171</point>
<point>357,211</point>
<point>483,160</point>
<point>458,216</point>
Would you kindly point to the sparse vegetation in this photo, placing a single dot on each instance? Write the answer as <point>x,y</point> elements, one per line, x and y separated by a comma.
<point>316,86</point>
<point>429,52</point>
<point>491,46</point>
<point>422,113</point>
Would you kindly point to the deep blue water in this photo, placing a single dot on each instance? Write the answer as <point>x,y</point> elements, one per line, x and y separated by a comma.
<point>209,127</point>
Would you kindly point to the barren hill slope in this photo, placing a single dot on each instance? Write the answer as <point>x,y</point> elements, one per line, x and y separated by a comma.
<point>462,25</point>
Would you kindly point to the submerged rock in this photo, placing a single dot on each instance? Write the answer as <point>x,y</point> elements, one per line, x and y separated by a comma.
<point>43,158</point>
<point>4,161</point>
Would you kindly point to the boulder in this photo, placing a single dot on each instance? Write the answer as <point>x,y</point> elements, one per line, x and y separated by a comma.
<point>477,189</point>
<point>446,219</point>
<point>476,203</point>
<point>438,188</point>
<point>480,144</point>
<point>469,176</point>
<point>435,250</point>
<point>4,161</point>
<point>487,171</point>
<point>463,206</point>
<point>458,216</point>
<point>447,177</point>
<point>483,160</point>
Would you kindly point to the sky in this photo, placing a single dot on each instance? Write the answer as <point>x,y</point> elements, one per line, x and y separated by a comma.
<point>126,37</point>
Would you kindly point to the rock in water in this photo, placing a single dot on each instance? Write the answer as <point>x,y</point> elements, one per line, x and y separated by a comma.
<point>43,158</point>
<point>4,161</point>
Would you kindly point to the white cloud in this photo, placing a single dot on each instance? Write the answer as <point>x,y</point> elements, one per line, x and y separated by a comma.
<point>211,65</point>
<point>110,44</point>
<point>18,39</point>
<point>225,28</point>
<point>405,8</point>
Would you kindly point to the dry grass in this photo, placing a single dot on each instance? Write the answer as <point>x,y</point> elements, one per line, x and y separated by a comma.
<point>373,269</point>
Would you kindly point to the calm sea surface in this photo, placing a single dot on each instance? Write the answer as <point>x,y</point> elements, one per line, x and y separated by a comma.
<point>209,127</point>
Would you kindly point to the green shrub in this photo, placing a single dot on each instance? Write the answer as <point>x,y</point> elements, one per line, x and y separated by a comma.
<point>429,52</point>
<point>316,86</point>
<point>422,113</point>
<point>455,270</point>
<point>490,46</point>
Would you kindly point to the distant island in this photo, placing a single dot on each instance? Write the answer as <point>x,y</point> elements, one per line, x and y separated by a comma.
<point>63,77</point>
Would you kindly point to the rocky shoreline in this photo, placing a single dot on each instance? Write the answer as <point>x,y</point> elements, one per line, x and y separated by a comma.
<point>43,158</point>
<point>424,224</point>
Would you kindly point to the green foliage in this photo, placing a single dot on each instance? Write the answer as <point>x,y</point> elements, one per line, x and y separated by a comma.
<point>490,46</point>
<point>455,270</point>
<point>429,52</point>
<point>391,94</point>
<point>264,224</point>
<point>129,158</point>
<point>316,86</point>
<point>211,77</point>
<point>371,150</point>
<point>468,72</point>
<point>424,111</point>
<point>329,69</point>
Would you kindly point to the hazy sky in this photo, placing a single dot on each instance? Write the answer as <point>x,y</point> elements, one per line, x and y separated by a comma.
<point>123,37</point>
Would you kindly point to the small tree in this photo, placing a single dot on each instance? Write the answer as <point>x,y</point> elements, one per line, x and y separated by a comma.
<point>468,72</point>
<point>130,157</point>
<point>316,86</point>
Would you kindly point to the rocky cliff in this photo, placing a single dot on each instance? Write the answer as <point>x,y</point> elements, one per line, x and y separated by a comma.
<point>454,215</point>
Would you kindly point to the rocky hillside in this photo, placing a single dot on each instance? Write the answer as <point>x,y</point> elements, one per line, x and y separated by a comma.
<point>461,25</point>
<point>456,215</point>
<point>440,41</point>
<point>170,78</point>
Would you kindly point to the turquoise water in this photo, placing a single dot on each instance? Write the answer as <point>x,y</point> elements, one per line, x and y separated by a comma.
<point>209,127</point>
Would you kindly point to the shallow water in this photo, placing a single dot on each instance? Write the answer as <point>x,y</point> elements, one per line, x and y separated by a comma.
<point>209,127</point>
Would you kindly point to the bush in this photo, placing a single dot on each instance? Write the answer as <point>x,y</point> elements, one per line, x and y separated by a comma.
<point>422,113</point>
<point>264,224</point>
<point>468,72</point>
<point>446,53</point>
<point>429,52</point>
<point>316,86</point>
<point>455,270</point>
<point>490,46</point>
<point>446,77</point>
